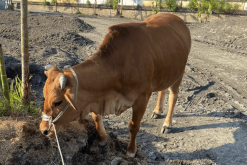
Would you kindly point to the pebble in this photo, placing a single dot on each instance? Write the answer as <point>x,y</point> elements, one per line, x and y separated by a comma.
<point>82,141</point>
<point>152,155</point>
<point>191,134</point>
<point>116,161</point>
<point>122,123</point>
<point>105,120</point>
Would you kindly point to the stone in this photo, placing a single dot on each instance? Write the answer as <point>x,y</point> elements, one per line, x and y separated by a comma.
<point>82,141</point>
<point>152,155</point>
<point>191,134</point>
<point>116,161</point>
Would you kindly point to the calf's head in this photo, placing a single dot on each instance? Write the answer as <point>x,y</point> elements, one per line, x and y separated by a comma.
<point>59,91</point>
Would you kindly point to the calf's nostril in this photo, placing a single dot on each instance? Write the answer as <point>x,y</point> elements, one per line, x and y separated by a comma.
<point>45,132</point>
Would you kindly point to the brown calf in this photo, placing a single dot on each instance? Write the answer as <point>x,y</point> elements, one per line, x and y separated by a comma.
<point>134,60</point>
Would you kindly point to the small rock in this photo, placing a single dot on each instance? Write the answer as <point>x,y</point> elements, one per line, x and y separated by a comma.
<point>105,120</point>
<point>160,145</point>
<point>191,134</point>
<point>82,141</point>
<point>122,123</point>
<point>152,155</point>
<point>210,95</point>
<point>116,161</point>
<point>67,157</point>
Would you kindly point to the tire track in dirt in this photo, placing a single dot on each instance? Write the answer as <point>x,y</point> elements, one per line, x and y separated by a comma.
<point>223,78</point>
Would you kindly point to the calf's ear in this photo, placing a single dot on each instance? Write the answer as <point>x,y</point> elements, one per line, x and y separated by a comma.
<point>46,73</point>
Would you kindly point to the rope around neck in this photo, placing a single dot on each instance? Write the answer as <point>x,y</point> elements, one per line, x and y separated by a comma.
<point>58,144</point>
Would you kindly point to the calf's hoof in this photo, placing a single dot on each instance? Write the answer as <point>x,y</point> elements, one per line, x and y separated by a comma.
<point>165,130</point>
<point>131,151</point>
<point>155,115</point>
<point>130,154</point>
<point>102,148</point>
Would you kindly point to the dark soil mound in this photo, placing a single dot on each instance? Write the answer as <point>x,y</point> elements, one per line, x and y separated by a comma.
<point>42,31</point>
<point>53,39</point>
<point>24,144</point>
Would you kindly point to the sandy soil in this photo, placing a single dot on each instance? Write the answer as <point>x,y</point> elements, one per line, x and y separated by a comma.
<point>209,124</point>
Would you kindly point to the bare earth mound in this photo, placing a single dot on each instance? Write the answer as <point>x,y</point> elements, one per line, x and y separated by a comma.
<point>24,144</point>
<point>53,39</point>
<point>230,34</point>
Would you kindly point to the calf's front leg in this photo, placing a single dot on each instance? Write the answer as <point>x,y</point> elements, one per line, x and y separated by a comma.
<point>100,129</point>
<point>139,108</point>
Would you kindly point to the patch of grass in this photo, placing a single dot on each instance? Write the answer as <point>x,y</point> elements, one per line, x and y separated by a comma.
<point>109,3</point>
<point>208,6</point>
<point>235,6</point>
<point>192,5</point>
<point>78,12</point>
<point>53,2</point>
<point>115,3</point>
<point>228,7</point>
<point>88,3</point>
<point>221,6</point>
<point>156,6</point>
<point>172,5</point>
<point>11,6</point>
<point>44,3</point>
<point>15,105</point>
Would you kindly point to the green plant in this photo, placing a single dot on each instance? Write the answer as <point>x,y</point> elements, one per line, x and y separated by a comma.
<point>172,5</point>
<point>88,3</point>
<point>205,4</point>
<point>235,6</point>
<point>192,5</point>
<point>153,8</point>
<point>221,6</point>
<point>44,3</point>
<point>156,6</point>
<point>53,2</point>
<point>204,7</point>
<point>78,12</point>
<point>108,3</point>
<point>15,93</point>
<point>228,7</point>
<point>214,4</point>
<point>15,105</point>
<point>114,4</point>
<point>10,6</point>
<point>208,4</point>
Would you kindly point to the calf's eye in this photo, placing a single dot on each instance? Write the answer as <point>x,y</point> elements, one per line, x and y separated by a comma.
<point>56,104</point>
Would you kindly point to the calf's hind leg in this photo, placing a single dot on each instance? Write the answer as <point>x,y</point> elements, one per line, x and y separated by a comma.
<point>174,89</point>
<point>159,106</point>
<point>139,108</point>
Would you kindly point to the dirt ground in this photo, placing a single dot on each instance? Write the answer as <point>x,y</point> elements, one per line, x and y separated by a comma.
<point>209,123</point>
